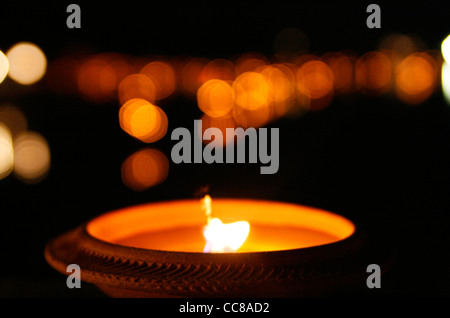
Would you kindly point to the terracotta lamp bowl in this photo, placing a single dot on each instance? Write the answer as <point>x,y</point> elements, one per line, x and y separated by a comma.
<point>156,250</point>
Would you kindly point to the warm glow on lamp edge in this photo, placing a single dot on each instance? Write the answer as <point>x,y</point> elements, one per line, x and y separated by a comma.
<point>185,213</point>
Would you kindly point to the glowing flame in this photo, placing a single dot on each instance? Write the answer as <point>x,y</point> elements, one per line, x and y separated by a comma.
<point>222,237</point>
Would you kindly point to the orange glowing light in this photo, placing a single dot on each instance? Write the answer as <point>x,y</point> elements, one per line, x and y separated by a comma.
<point>143,120</point>
<point>249,62</point>
<point>373,73</point>
<point>222,237</point>
<point>401,44</point>
<point>215,98</point>
<point>4,66</point>
<point>31,157</point>
<point>282,87</point>
<point>415,78</point>
<point>97,80</point>
<point>315,84</point>
<point>162,75</point>
<point>218,69</point>
<point>251,90</point>
<point>6,151</point>
<point>315,79</point>
<point>301,59</point>
<point>137,86</point>
<point>252,118</point>
<point>27,63</point>
<point>99,76</point>
<point>342,67</point>
<point>190,74</point>
<point>177,225</point>
<point>144,169</point>
<point>121,65</point>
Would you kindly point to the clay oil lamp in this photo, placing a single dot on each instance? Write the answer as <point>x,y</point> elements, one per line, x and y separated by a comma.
<point>216,248</point>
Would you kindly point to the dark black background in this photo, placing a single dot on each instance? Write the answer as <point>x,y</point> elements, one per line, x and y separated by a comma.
<point>384,164</point>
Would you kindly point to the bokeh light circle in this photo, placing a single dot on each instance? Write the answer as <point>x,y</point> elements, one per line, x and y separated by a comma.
<point>27,63</point>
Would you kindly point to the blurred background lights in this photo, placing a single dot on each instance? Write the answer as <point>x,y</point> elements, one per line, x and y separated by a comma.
<point>27,63</point>
<point>97,80</point>
<point>215,98</point>
<point>13,118</point>
<point>163,76</point>
<point>252,118</point>
<point>373,73</point>
<point>98,77</point>
<point>218,69</point>
<point>445,81</point>
<point>401,44</point>
<point>31,157</point>
<point>247,90</point>
<point>144,169</point>
<point>445,49</point>
<point>137,86</point>
<point>315,82</point>
<point>143,120</point>
<point>4,66</point>
<point>190,75</point>
<point>249,62</point>
<point>315,79</point>
<point>342,67</point>
<point>281,80</point>
<point>415,78</point>
<point>6,151</point>
<point>251,90</point>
